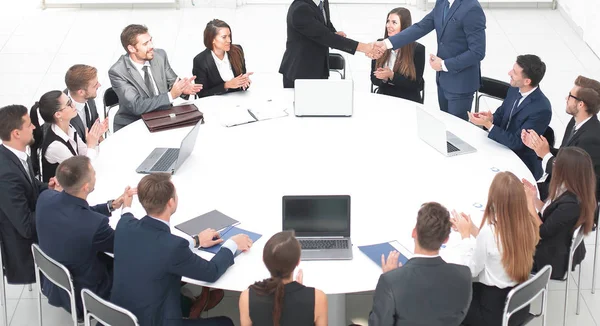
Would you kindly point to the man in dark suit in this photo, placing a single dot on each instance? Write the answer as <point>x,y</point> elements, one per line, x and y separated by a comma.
<point>427,290</point>
<point>525,107</point>
<point>310,34</point>
<point>143,78</point>
<point>19,191</point>
<point>150,261</point>
<point>76,234</point>
<point>460,28</point>
<point>583,130</point>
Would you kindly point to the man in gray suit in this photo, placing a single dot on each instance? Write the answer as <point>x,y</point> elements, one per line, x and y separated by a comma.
<point>427,290</point>
<point>143,78</point>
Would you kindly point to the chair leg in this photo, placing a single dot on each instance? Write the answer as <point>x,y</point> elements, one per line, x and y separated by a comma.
<point>3,298</point>
<point>566,297</point>
<point>595,260</point>
<point>39,304</point>
<point>30,288</point>
<point>578,289</point>
<point>544,304</point>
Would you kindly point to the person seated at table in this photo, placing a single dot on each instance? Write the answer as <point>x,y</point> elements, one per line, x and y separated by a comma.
<point>58,139</point>
<point>499,252</point>
<point>150,261</point>
<point>221,67</point>
<point>76,234</point>
<point>279,299</point>
<point>399,72</point>
<point>427,290</point>
<point>525,107</point>
<point>571,203</point>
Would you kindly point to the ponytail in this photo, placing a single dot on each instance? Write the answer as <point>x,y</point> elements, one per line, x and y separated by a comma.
<point>272,286</point>
<point>38,137</point>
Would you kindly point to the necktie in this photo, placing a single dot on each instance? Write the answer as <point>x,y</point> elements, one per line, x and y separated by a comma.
<point>27,169</point>
<point>446,9</point>
<point>148,81</point>
<point>322,9</point>
<point>515,105</point>
<point>88,116</point>
<point>573,132</point>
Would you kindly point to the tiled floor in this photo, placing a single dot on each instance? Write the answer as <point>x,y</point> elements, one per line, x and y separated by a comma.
<point>36,48</point>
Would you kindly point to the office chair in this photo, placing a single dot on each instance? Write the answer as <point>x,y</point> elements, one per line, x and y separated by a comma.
<point>523,294</point>
<point>492,88</point>
<point>105,312</point>
<point>110,100</point>
<point>337,63</point>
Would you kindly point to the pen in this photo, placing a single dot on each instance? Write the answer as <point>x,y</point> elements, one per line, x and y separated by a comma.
<point>252,114</point>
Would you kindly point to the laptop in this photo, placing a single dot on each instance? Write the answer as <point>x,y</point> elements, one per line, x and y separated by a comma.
<point>323,97</point>
<point>321,224</point>
<point>433,132</point>
<point>170,159</point>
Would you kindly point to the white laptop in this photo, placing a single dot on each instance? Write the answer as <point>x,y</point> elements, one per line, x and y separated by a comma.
<point>433,132</point>
<point>323,97</point>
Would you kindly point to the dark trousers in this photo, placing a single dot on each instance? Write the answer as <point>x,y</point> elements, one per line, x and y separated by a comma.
<point>487,307</point>
<point>288,83</point>
<point>214,321</point>
<point>457,104</point>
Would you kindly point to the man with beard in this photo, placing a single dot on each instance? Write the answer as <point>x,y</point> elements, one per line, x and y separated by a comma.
<point>143,78</point>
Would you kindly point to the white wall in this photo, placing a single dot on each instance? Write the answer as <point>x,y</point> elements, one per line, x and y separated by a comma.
<point>584,16</point>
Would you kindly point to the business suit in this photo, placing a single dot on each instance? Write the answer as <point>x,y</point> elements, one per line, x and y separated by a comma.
<point>134,96</point>
<point>425,291</point>
<point>80,125</point>
<point>461,45</point>
<point>556,232</point>
<point>207,74</point>
<point>76,235</point>
<point>533,112</point>
<point>401,86</point>
<point>149,264</point>
<point>309,38</point>
<point>17,217</point>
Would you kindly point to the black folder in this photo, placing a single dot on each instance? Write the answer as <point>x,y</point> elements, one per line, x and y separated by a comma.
<point>213,220</point>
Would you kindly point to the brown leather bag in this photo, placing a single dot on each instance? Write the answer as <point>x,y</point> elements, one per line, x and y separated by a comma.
<point>175,117</point>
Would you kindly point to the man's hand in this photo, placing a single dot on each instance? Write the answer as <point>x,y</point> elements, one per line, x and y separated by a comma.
<point>191,88</point>
<point>125,199</point>
<point>340,33</point>
<point>484,119</point>
<point>391,262</point>
<point>243,241</point>
<point>384,73</point>
<point>536,142</point>
<point>435,62</point>
<point>370,50</point>
<point>206,238</point>
<point>53,184</point>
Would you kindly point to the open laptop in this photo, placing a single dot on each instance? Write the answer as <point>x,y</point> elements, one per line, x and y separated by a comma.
<point>323,97</point>
<point>433,132</point>
<point>321,224</point>
<point>170,159</point>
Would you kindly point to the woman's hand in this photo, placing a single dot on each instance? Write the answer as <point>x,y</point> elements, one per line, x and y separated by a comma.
<point>384,74</point>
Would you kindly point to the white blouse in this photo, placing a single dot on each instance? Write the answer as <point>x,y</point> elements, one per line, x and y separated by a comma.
<point>58,152</point>
<point>224,67</point>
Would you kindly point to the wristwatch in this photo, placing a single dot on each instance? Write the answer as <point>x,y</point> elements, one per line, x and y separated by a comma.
<point>196,241</point>
<point>110,205</point>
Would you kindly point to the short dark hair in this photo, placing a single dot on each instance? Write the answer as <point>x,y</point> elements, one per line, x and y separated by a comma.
<point>154,192</point>
<point>533,68</point>
<point>589,93</point>
<point>73,173</point>
<point>130,33</point>
<point>11,118</point>
<point>433,226</point>
<point>79,76</point>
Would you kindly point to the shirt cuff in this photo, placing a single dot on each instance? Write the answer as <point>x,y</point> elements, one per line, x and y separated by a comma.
<point>91,153</point>
<point>192,243</point>
<point>388,44</point>
<point>126,210</point>
<point>444,66</point>
<point>170,97</point>
<point>545,160</point>
<point>231,245</point>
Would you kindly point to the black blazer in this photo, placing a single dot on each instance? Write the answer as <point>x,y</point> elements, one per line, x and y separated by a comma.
<point>425,291</point>
<point>308,41</point>
<point>556,234</point>
<point>149,264</point>
<point>80,125</point>
<point>17,217</point>
<point>207,74</point>
<point>401,86</point>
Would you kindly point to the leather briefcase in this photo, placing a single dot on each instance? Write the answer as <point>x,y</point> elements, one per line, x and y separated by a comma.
<point>175,117</point>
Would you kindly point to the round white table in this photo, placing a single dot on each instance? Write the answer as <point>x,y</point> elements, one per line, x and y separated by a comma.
<point>375,156</point>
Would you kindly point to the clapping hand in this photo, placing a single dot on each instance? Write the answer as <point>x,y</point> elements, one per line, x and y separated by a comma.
<point>484,119</point>
<point>125,199</point>
<point>463,224</point>
<point>536,142</point>
<point>191,88</point>
<point>384,73</point>
<point>242,81</point>
<point>435,62</point>
<point>93,135</point>
<point>391,262</point>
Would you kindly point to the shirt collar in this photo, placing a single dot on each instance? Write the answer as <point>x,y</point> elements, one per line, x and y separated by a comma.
<point>528,93</point>
<point>139,66</point>
<point>425,256</point>
<point>219,61</point>
<point>79,106</point>
<point>21,155</point>
<point>60,133</point>
<point>577,126</point>
<point>317,2</point>
<point>154,218</point>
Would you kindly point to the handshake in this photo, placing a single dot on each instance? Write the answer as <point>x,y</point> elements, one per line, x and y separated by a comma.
<point>372,50</point>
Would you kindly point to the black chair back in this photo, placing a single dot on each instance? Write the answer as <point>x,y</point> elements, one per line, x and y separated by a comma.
<point>549,135</point>
<point>338,64</point>
<point>110,99</point>
<point>494,87</point>
<point>105,312</point>
<point>523,294</point>
<point>56,272</point>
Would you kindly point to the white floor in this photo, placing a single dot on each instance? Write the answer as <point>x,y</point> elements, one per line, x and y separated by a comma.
<point>37,47</point>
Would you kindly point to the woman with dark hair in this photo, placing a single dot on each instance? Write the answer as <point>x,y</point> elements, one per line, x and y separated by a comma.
<point>279,300</point>
<point>57,139</point>
<point>571,203</point>
<point>221,68</point>
<point>399,72</point>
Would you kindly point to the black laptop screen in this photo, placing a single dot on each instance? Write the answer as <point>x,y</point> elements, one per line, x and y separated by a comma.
<point>317,215</point>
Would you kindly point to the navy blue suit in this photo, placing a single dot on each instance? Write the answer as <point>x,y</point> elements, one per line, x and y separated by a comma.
<point>534,112</point>
<point>76,235</point>
<point>149,264</point>
<point>461,44</point>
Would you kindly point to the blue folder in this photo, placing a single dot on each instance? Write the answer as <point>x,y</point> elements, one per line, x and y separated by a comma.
<point>228,233</point>
<point>375,251</point>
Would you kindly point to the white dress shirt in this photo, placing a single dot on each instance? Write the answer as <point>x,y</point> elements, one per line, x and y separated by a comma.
<point>22,156</point>
<point>223,66</point>
<point>484,259</point>
<point>58,152</point>
<point>523,97</point>
<point>140,68</point>
<point>424,256</point>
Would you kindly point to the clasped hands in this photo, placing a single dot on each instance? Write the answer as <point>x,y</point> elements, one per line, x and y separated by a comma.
<point>373,50</point>
<point>242,81</point>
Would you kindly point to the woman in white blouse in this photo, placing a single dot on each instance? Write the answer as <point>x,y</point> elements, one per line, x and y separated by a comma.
<point>57,139</point>
<point>499,252</point>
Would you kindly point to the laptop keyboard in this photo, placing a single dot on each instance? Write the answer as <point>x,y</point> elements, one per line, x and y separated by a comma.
<point>166,160</point>
<point>451,148</point>
<point>324,244</point>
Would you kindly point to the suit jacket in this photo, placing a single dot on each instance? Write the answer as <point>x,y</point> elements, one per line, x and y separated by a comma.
<point>309,38</point>
<point>134,96</point>
<point>461,43</point>
<point>207,74</point>
<point>149,264</point>
<point>534,112</point>
<point>17,217</point>
<point>81,125</point>
<point>75,234</point>
<point>556,234</point>
<point>401,86</point>
<point>425,291</point>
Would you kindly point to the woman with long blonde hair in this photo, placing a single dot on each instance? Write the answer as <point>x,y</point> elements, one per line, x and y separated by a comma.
<point>499,252</point>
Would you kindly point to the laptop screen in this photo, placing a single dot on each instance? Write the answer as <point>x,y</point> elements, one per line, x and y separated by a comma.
<point>311,216</point>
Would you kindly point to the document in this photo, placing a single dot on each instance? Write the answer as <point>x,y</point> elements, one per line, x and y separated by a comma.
<point>247,113</point>
<point>375,251</point>
<point>213,220</point>
<point>227,234</point>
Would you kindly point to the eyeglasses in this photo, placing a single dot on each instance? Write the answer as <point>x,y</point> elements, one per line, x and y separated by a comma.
<point>68,105</point>
<point>575,97</point>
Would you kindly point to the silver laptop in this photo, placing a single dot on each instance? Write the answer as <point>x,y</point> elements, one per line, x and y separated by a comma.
<point>323,97</point>
<point>170,159</point>
<point>433,132</point>
<point>321,224</point>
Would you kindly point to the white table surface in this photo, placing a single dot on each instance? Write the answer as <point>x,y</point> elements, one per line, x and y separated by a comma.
<point>374,156</point>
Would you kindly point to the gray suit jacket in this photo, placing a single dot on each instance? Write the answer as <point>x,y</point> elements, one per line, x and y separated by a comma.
<point>134,96</point>
<point>423,292</point>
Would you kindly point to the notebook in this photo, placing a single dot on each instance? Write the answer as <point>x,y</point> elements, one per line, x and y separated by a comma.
<point>375,251</point>
<point>242,114</point>
<point>227,234</point>
<point>213,220</point>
